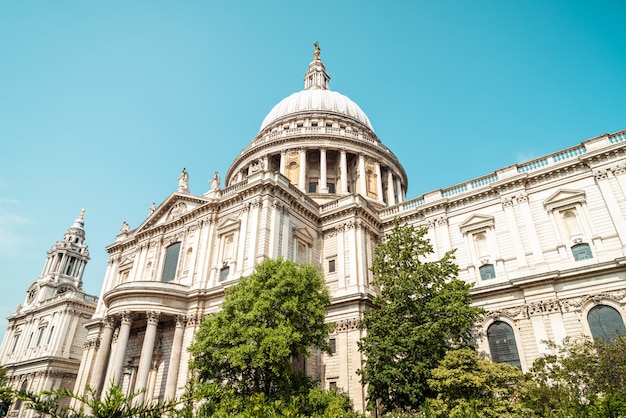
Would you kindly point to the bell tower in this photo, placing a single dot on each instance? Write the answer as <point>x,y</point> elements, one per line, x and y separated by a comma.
<point>44,339</point>
<point>65,262</point>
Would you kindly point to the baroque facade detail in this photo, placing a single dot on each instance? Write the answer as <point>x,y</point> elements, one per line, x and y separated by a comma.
<point>541,242</point>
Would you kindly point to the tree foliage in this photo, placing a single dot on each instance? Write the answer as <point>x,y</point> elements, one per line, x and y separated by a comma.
<point>114,404</point>
<point>423,311</point>
<point>267,320</point>
<point>467,385</point>
<point>583,379</point>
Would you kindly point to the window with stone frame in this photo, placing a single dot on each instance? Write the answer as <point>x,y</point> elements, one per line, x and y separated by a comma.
<point>303,241</point>
<point>487,272</point>
<point>605,323</point>
<point>479,233</point>
<point>502,345</point>
<point>332,265</point>
<point>228,234</point>
<point>172,253</point>
<point>567,209</point>
<point>40,334</point>
<point>581,252</point>
<point>16,339</point>
<point>224,273</point>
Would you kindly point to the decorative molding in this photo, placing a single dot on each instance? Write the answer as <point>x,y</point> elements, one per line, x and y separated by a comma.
<point>555,305</point>
<point>153,317</point>
<point>347,325</point>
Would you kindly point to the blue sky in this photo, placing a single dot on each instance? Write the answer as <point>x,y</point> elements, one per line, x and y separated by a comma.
<point>103,103</point>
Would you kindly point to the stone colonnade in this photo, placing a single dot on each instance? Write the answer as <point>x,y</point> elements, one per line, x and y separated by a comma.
<point>369,176</point>
<point>111,359</point>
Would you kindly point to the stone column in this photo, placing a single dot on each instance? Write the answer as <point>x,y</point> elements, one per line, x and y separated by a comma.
<point>283,156</point>
<point>102,355</point>
<point>302,176</point>
<point>177,349</point>
<point>399,190</point>
<point>120,350</point>
<point>379,184</point>
<point>613,207</point>
<point>323,185</point>
<point>391,196</point>
<point>343,172</point>
<point>362,176</point>
<point>146,352</point>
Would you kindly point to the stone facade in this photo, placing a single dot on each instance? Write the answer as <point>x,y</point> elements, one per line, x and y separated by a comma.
<point>542,243</point>
<point>43,344</point>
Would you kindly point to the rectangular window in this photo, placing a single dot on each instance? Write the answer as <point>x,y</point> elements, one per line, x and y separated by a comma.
<point>331,266</point>
<point>331,188</point>
<point>333,345</point>
<point>171,262</point>
<point>224,273</point>
<point>581,252</point>
<point>312,187</point>
<point>40,337</point>
<point>50,336</point>
<point>15,341</point>
<point>332,385</point>
<point>487,272</point>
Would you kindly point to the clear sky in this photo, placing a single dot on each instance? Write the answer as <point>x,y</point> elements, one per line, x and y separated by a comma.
<point>103,103</point>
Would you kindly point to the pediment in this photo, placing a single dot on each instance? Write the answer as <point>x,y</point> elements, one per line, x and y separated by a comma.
<point>476,222</point>
<point>304,235</point>
<point>564,197</point>
<point>228,225</point>
<point>173,208</point>
<point>126,263</point>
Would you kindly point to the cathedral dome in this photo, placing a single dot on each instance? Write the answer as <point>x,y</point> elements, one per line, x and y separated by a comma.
<point>316,100</point>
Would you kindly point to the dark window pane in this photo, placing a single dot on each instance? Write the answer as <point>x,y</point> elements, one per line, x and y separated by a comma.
<point>171,261</point>
<point>331,187</point>
<point>331,266</point>
<point>605,323</point>
<point>224,273</point>
<point>581,252</point>
<point>313,187</point>
<point>487,272</point>
<point>502,344</point>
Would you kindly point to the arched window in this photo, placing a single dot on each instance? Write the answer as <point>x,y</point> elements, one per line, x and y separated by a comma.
<point>23,388</point>
<point>502,344</point>
<point>171,262</point>
<point>188,258</point>
<point>482,249</point>
<point>571,223</point>
<point>605,323</point>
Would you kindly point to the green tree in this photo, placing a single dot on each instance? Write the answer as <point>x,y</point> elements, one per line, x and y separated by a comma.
<point>267,320</point>
<point>422,311</point>
<point>582,379</point>
<point>466,384</point>
<point>6,393</point>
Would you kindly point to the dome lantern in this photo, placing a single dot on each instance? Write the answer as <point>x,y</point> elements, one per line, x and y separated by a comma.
<point>316,77</point>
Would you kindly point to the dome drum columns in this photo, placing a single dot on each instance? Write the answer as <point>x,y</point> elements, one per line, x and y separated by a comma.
<point>331,171</point>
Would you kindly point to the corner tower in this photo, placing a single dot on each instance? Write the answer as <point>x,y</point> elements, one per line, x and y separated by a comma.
<point>43,343</point>
<point>324,144</point>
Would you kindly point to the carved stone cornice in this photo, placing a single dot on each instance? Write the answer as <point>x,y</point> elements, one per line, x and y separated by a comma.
<point>555,305</point>
<point>346,325</point>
